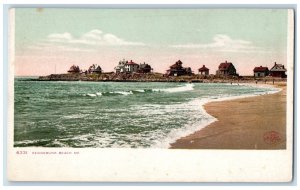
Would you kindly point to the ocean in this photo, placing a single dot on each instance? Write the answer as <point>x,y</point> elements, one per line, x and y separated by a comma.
<point>114,114</point>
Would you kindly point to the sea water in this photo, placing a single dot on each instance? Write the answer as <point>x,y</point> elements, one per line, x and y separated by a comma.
<point>114,114</point>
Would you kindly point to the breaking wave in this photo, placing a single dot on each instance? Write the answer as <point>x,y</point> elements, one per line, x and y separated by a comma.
<point>91,95</point>
<point>187,87</point>
<point>153,115</point>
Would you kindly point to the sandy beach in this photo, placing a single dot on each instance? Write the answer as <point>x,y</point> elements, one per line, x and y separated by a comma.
<point>246,123</point>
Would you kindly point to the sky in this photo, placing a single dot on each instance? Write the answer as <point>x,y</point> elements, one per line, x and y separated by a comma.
<point>50,40</point>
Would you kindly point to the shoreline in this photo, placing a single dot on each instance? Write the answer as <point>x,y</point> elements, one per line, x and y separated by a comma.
<point>186,140</point>
<point>156,77</point>
<point>231,130</point>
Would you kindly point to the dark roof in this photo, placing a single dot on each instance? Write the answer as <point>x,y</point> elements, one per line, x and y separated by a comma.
<point>174,66</point>
<point>177,65</point>
<point>260,69</point>
<point>203,68</point>
<point>98,68</point>
<point>179,62</point>
<point>74,68</point>
<point>225,66</point>
<point>95,68</point>
<point>144,65</point>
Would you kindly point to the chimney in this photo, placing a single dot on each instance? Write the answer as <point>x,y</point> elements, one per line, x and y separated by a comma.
<point>226,61</point>
<point>203,65</point>
<point>275,62</point>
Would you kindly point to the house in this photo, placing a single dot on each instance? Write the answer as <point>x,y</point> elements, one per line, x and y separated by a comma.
<point>144,68</point>
<point>95,69</point>
<point>261,71</point>
<point>131,67</point>
<point>127,67</point>
<point>177,70</point>
<point>121,66</point>
<point>278,70</point>
<point>203,70</point>
<point>226,69</point>
<point>74,69</point>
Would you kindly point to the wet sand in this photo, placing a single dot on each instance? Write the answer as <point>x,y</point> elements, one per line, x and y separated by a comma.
<point>247,123</point>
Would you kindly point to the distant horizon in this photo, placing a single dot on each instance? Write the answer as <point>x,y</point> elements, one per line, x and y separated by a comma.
<point>59,38</point>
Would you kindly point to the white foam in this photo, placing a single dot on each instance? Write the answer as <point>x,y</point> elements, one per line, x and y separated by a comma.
<point>197,118</point>
<point>123,92</point>
<point>92,95</point>
<point>26,142</point>
<point>188,129</point>
<point>187,87</point>
<point>140,90</point>
<point>60,144</point>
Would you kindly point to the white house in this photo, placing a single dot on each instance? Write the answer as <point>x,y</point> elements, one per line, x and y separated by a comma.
<point>131,67</point>
<point>121,67</point>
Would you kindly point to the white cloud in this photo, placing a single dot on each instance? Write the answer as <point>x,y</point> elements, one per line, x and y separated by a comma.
<point>223,43</point>
<point>47,47</point>
<point>88,42</point>
<point>93,37</point>
<point>93,34</point>
<point>60,37</point>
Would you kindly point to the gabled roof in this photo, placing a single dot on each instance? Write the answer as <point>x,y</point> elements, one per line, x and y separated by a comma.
<point>95,68</point>
<point>179,62</point>
<point>177,65</point>
<point>225,66</point>
<point>98,68</point>
<point>277,67</point>
<point>203,68</point>
<point>260,69</point>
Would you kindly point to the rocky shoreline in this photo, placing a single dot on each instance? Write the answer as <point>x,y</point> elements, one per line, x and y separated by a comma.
<point>152,77</point>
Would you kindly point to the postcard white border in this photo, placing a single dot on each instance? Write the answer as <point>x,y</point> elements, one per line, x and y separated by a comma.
<point>153,165</point>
